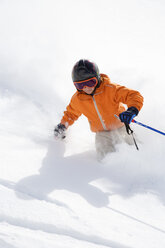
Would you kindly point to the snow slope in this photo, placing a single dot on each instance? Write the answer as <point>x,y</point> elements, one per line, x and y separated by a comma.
<point>55,193</point>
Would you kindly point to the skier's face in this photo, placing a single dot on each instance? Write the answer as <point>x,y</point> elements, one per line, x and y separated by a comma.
<point>88,90</point>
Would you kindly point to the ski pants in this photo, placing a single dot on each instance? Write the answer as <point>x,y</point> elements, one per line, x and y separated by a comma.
<point>105,141</point>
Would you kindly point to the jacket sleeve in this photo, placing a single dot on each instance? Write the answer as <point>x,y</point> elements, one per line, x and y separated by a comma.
<point>71,114</point>
<point>131,98</point>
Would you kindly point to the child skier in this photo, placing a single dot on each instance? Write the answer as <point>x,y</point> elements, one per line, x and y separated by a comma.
<point>100,100</point>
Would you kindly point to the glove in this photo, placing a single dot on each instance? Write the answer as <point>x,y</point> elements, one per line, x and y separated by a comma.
<point>59,131</point>
<point>128,115</point>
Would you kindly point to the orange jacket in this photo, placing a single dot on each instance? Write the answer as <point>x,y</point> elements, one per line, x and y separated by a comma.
<point>100,108</point>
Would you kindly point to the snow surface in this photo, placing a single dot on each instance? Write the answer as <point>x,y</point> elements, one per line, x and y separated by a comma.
<point>56,194</point>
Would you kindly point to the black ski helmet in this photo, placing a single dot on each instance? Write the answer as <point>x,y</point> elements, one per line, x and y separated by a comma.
<point>85,69</point>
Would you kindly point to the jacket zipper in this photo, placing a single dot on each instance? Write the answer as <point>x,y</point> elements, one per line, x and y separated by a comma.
<point>99,115</point>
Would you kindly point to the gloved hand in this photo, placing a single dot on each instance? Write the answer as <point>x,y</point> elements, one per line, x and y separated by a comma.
<point>59,131</point>
<point>128,115</point>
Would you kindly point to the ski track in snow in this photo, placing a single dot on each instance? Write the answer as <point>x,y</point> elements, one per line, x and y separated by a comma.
<point>52,229</point>
<point>12,186</point>
<point>137,220</point>
<point>49,228</point>
<point>4,244</point>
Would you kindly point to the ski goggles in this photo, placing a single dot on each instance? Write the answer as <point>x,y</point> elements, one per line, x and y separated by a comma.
<point>92,82</point>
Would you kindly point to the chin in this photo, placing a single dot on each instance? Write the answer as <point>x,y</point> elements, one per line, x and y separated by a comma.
<point>89,92</point>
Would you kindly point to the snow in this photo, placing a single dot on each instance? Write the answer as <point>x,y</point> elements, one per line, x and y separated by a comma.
<point>55,193</point>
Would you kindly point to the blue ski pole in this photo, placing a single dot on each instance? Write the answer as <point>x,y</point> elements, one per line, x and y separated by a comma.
<point>143,125</point>
<point>151,128</point>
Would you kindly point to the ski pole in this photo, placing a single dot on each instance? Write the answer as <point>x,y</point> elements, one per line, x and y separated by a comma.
<point>143,125</point>
<point>129,131</point>
<point>151,128</point>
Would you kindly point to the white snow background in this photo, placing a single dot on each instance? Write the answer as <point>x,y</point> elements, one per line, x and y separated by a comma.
<point>56,194</point>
